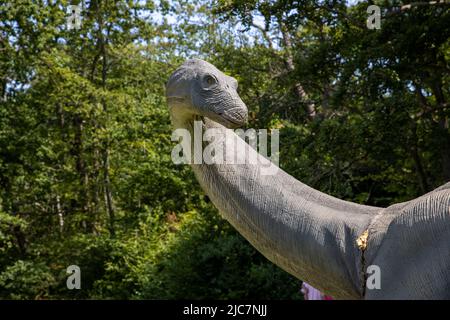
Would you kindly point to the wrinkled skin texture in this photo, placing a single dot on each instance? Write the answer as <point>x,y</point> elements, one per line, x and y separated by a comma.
<point>198,88</point>
<point>308,233</point>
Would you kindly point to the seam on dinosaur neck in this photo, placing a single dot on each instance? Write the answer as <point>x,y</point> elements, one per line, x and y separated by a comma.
<point>361,242</point>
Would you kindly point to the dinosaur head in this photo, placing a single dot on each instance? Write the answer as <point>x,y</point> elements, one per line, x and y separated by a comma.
<point>197,88</point>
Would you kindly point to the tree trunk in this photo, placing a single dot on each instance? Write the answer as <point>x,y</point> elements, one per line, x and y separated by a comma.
<point>300,92</point>
<point>443,126</point>
<point>80,165</point>
<point>421,176</point>
<point>60,214</point>
<point>105,152</point>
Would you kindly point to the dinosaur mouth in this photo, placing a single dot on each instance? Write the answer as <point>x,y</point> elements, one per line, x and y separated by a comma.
<point>230,123</point>
<point>233,122</point>
<point>226,120</point>
<point>232,118</point>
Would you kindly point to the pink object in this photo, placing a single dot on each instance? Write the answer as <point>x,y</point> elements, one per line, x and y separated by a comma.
<point>311,293</point>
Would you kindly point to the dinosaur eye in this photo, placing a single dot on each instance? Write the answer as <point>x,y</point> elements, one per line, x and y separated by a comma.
<point>209,81</point>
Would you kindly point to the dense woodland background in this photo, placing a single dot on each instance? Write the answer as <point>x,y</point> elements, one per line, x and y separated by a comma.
<point>86,176</point>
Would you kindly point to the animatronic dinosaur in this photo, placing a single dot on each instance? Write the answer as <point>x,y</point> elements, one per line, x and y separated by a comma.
<point>328,242</point>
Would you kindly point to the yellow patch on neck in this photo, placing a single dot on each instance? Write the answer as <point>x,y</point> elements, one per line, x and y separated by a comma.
<point>362,240</point>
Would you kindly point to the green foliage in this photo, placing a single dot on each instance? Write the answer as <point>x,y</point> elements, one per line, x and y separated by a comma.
<point>85,171</point>
<point>26,280</point>
<point>202,258</point>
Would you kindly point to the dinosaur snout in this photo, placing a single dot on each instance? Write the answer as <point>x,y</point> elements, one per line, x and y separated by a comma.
<point>236,114</point>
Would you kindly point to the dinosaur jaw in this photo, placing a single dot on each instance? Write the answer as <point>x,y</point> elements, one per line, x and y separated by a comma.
<point>229,121</point>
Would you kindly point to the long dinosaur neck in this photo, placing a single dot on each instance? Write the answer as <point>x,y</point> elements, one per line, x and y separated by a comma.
<point>307,233</point>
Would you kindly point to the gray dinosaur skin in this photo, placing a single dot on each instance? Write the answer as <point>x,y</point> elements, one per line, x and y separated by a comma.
<point>308,233</point>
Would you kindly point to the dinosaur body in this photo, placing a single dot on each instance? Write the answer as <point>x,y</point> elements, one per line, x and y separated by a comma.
<point>310,234</point>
